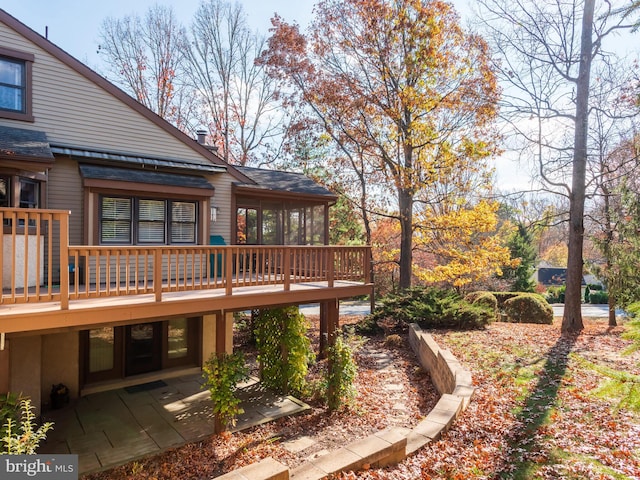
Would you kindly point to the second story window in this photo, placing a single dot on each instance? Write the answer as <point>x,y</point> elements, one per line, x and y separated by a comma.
<point>15,85</point>
<point>12,85</point>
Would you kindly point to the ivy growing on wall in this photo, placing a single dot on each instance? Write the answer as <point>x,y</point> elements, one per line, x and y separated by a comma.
<point>221,374</point>
<point>341,374</point>
<point>284,350</point>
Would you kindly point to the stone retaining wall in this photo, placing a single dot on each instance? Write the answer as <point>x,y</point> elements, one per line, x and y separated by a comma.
<point>392,445</point>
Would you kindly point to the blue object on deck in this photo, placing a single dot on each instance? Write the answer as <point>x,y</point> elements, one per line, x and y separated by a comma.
<point>216,240</point>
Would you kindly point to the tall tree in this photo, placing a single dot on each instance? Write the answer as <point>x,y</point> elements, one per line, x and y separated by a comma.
<point>546,50</point>
<point>145,56</point>
<point>398,85</point>
<point>614,162</point>
<point>239,99</point>
<point>621,245</point>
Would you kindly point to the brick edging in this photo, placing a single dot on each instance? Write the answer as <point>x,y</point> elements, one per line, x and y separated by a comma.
<point>391,445</point>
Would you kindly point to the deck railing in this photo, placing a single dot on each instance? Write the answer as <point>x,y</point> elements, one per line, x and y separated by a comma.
<point>39,265</point>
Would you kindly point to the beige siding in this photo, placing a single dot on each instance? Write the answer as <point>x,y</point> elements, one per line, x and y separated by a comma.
<point>222,200</point>
<point>73,110</point>
<point>64,192</point>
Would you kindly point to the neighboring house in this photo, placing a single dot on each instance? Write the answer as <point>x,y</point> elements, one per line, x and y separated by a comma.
<point>127,245</point>
<point>552,276</point>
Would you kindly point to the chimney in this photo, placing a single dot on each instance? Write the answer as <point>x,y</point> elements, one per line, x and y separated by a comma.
<point>202,135</point>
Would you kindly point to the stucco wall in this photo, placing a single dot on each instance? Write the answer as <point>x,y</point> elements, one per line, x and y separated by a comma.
<point>60,363</point>
<point>26,361</point>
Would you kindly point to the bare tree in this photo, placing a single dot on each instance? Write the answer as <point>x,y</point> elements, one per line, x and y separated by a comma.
<point>145,56</point>
<point>546,50</point>
<point>239,99</point>
<point>615,161</point>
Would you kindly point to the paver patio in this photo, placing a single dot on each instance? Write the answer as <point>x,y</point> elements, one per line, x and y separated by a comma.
<point>115,427</point>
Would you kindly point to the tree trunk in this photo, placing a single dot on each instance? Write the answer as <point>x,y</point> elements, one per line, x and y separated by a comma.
<point>612,312</point>
<point>405,202</point>
<point>572,319</point>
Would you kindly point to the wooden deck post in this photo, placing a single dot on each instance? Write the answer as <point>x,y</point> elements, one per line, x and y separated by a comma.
<point>64,261</point>
<point>333,320</point>
<point>224,333</point>
<point>324,330</point>
<point>224,344</point>
<point>329,324</point>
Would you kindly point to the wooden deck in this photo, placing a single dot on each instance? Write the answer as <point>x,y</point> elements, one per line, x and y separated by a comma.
<point>49,285</point>
<point>80,314</point>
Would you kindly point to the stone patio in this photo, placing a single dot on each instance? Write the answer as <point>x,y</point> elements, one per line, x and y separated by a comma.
<point>115,427</point>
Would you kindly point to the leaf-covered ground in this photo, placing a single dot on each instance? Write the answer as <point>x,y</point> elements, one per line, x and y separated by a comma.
<point>546,407</point>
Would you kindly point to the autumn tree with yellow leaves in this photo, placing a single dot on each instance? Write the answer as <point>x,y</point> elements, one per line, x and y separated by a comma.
<point>400,86</point>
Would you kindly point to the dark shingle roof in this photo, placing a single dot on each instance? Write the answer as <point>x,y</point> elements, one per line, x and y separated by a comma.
<point>20,143</point>
<point>81,154</point>
<point>99,172</point>
<point>276,180</point>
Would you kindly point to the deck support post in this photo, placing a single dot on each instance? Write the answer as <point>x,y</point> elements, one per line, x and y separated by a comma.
<point>224,332</point>
<point>329,323</point>
<point>223,344</point>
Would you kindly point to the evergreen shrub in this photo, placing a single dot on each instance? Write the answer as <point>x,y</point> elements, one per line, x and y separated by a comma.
<point>487,299</point>
<point>598,297</point>
<point>555,294</point>
<point>528,308</point>
<point>429,307</point>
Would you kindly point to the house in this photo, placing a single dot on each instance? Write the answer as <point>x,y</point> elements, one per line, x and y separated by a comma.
<point>126,244</point>
<point>551,276</point>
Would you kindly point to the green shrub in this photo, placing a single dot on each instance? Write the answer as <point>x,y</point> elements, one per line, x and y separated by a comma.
<point>487,299</point>
<point>431,308</point>
<point>284,349</point>
<point>26,440</point>
<point>368,325</point>
<point>633,328</point>
<point>633,310</point>
<point>528,308</point>
<point>221,375</point>
<point>341,374</point>
<point>587,294</point>
<point>597,297</point>
<point>9,409</point>
<point>555,294</point>
<point>502,297</point>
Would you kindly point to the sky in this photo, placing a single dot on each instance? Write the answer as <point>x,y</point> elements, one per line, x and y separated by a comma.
<point>73,25</point>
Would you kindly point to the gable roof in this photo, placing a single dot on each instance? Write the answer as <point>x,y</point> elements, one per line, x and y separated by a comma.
<point>114,91</point>
<point>279,181</point>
